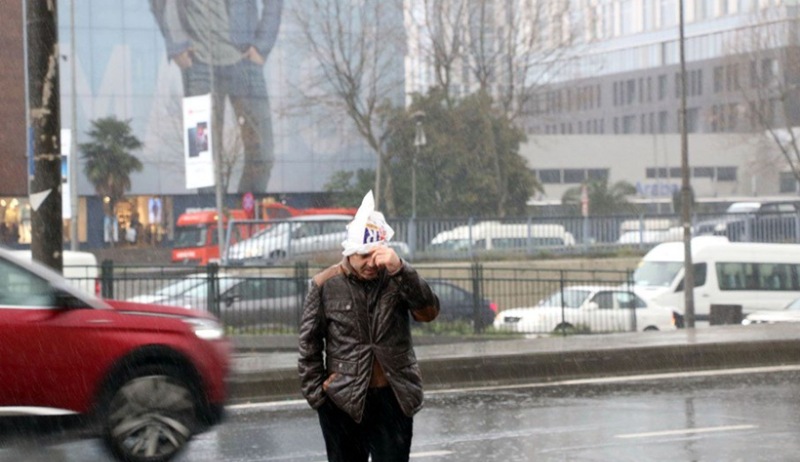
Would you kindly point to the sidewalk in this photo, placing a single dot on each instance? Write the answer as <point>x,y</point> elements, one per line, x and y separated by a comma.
<point>265,368</point>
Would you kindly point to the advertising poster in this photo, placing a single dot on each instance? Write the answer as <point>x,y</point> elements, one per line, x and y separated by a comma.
<point>197,141</point>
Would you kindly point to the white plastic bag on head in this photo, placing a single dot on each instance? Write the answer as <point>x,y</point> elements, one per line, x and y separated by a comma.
<point>367,230</point>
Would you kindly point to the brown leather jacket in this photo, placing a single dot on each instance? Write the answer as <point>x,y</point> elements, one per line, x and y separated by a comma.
<point>363,347</point>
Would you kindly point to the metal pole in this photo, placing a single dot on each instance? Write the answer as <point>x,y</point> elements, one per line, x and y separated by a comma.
<point>44,121</point>
<point>73,157</point>
<point>414,184</point>
<point>686,192</point>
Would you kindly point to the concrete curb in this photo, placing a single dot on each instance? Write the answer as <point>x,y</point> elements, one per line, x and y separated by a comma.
<point>468,370</point>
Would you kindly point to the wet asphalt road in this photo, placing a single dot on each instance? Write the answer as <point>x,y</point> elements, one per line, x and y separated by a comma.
<point>750,416</point>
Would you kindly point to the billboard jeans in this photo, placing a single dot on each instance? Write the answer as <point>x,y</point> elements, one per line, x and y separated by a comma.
<point>245,87</point>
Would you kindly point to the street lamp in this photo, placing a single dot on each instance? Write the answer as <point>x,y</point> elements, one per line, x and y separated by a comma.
<point>419,142</point>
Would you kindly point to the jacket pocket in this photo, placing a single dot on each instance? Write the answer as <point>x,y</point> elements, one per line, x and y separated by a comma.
<point>341,318</point>
<point>342,366</point>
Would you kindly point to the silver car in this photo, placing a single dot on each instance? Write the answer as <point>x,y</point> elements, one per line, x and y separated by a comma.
<point>298,236</point>
<point>239,301</point>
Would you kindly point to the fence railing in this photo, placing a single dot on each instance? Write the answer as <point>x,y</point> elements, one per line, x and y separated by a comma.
<point>474,298</point>
<point>449,239</point>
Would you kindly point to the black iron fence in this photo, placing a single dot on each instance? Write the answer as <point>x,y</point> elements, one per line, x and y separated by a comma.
<point>475,298</point>
<point>277,242</point>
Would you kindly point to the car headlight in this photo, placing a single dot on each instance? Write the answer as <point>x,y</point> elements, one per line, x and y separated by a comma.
<point>206,329</point>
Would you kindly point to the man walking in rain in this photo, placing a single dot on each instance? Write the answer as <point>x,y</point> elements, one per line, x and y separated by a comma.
<point>367,385</point>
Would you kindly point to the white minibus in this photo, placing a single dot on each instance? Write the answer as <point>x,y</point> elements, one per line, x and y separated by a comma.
<point>754,276</point>
<point>493,235</point>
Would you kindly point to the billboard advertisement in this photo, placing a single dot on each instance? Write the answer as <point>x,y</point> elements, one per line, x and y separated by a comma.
<point>138,60</point>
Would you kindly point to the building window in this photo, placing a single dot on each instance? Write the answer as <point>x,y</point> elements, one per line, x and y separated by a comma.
<point>628,124</point>
<point>704,172</point>
<point>662,87</point>
<point>788,183</point>
<point>652,172</point>
<point>732,77</point>
<point>675,172</point>
<point>718,79</point>
<point>663,121</point>
<point>574,175</point>
<point>692,120</point>
<point>726,173</point>
<point>550,176</point>
<point>597,174</point>
<point>630,91</point>
<point>733,116</point>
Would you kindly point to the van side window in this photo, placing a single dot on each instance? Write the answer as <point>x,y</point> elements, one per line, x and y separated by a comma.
<point>700,270</point>
<point>757,276</point>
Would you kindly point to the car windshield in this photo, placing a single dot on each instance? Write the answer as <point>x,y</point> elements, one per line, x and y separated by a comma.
<point>201,290</point>
<point>190,236</point>
<point>743,207</point>
<point>656,273</point>
<point>573,298</point>
<point>179,287</point>
<point>272,230</point>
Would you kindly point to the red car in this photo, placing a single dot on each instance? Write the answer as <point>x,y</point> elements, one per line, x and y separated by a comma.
<point>148,376</point>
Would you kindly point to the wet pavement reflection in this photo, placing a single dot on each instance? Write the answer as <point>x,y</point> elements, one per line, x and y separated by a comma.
<point>685,418</point>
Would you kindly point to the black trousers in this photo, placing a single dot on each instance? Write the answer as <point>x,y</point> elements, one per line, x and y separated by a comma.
<point>384,432</point>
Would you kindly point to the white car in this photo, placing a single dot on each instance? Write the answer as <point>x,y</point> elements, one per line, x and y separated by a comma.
<point>588,309</point>
<point>302,235</point>
<point>789,314</point>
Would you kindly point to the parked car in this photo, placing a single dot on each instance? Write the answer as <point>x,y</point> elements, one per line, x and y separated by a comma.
<point>588,308</point>
<point>298,236</point>
<point>458,304</point>
<point>254,300</point>
<point>789,314</point>
<point>148,376</point>
<point>769,221</point>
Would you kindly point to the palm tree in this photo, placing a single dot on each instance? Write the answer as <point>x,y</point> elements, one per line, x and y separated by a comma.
<point>108,158</point>
<point>603,199</point>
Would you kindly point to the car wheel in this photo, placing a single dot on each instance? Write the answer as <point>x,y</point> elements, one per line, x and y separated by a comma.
<point>151,416</point>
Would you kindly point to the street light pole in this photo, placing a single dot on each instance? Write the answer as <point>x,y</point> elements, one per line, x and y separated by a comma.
<point>419,142</point>
<point>686,193</point>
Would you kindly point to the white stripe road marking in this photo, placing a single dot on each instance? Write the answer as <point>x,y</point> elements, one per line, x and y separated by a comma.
<point>601,380</point>
<point>685,431</point>
<point>414,455</point>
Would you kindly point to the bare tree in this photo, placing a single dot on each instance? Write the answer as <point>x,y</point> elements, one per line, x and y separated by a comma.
<point>438,39</point>
<point>534,43</point>
<point>358,49</point>
<point>768,51</point>
<point>508,48</point>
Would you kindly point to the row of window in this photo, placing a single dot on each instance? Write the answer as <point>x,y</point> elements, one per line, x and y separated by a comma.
<point>625,17</point>
<point>571,175</point>
<point>718,118</point>
<point>713,173</point>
